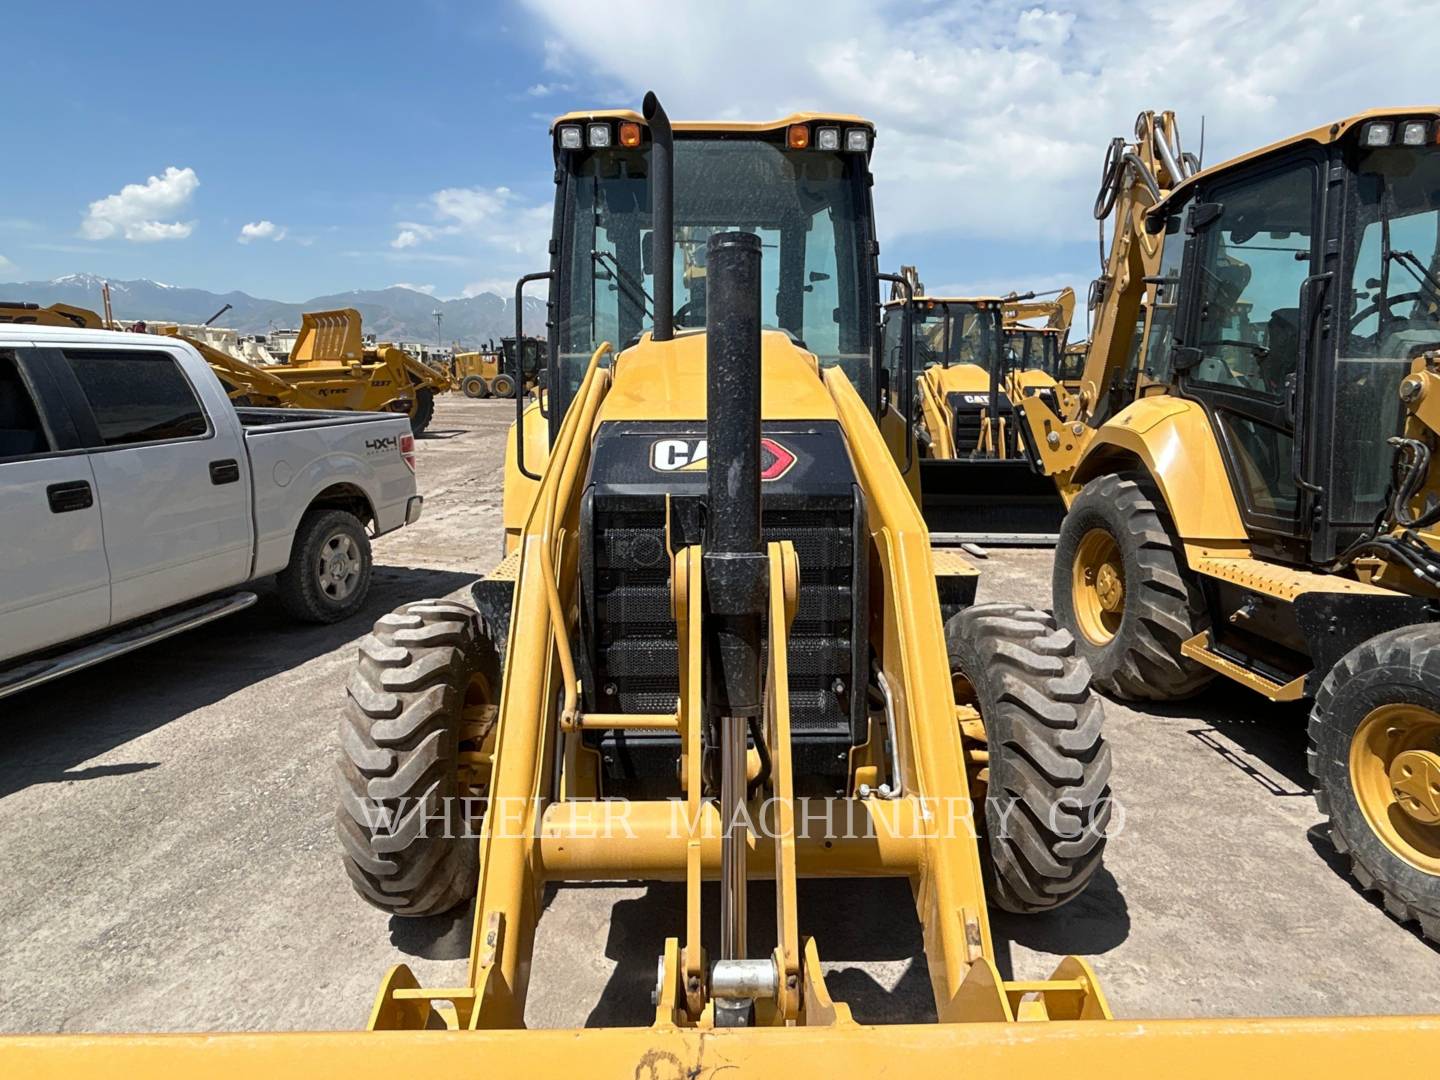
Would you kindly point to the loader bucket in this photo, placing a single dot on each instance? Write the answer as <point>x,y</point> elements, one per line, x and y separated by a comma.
<point>996,502</point>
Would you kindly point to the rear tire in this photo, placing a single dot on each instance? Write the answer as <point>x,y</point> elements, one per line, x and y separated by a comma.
<point>328,576</point>
<point>1382,699</point>
<point>1134,649</point>
<point>423,411</point>
<point>1047,801</point>
<point>400,744</point>
<point>474,386</point>
<point>502,386</point>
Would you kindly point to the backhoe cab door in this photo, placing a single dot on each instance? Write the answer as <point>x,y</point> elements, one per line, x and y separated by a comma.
<point>1250,259</point>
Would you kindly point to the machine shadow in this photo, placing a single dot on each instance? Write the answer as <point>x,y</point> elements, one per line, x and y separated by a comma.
<point>1265,740</point>
<point>1095,922</point>
<point>863,928</point>
<point>55,727</point>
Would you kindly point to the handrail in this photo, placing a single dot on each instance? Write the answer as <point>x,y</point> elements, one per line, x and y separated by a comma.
<point>576,422</point>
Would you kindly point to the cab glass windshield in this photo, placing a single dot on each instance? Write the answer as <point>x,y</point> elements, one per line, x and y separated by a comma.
<point>810,209</point>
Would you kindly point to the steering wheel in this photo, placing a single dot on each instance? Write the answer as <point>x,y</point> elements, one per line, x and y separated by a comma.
<point>685,311</point>
<point>1387,303</point>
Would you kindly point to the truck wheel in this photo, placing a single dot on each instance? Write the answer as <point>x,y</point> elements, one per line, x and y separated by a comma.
<point>1047,796</point>
<point>328,576</point>
<point>474,386</point>
<point>502,386</point>
<point>1119,588</point>
<point>1375,757</point>
<point>423,411</point>
<point>417,701</point>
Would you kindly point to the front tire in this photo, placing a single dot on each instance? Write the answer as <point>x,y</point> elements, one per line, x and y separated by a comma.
<point>408,844</point>
<point>328,576</point>
<point>1375,758</point>
<point>1047,799</point>
<point>1118,586</point>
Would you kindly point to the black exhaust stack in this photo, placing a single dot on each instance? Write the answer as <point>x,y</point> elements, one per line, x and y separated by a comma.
<point>736,569</point>
<point>662,215</point>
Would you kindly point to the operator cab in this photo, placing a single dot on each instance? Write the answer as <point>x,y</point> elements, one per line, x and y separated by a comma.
<point>1308,282</point>
<point>802,184</point>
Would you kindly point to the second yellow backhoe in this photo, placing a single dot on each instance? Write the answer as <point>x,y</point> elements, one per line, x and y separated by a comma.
<point>976,361</point>
<point>1250,469</point>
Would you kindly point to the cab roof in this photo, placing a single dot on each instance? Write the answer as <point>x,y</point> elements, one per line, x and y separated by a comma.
<point>718,126</point>
<point>1323,135</point>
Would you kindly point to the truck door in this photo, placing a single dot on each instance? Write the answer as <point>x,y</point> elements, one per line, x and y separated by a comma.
<point>54,582</point>
<point>1249,258</point>
<point>170,478</point>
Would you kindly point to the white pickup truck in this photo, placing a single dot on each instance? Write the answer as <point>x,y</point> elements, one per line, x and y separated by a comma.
<point>136,500</point>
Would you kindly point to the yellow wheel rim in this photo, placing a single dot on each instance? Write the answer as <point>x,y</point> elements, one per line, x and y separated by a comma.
<point>1098,586</point>
<point>1395,774</point>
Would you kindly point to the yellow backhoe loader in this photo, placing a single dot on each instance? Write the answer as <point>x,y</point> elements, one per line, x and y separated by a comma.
<point>976,362</point>
<point>331,367</point>
<point>731,657</point>
<point>1249,472</point>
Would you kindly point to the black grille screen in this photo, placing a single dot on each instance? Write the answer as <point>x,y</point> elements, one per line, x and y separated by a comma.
<point>637,665</point>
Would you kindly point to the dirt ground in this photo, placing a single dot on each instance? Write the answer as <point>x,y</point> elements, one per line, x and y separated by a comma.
<point>170,863</point>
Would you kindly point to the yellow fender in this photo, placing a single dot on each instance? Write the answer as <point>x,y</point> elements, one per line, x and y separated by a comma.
<point>1177,446</point>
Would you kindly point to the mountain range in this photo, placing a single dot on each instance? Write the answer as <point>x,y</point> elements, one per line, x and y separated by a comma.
<point>393,314</point>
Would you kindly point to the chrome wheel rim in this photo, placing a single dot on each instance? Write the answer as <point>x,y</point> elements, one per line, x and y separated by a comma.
<point>338,569</point>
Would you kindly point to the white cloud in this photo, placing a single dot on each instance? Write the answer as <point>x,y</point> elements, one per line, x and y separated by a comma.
<point>261,230</point>
<point>5,264</point>
<point>491,222</point>
<point>992,123</point>
<point>428,290</point>
<point>540,90</point>
<point>499,286</point>
<point>135,212</point>
<point>1044,27</point>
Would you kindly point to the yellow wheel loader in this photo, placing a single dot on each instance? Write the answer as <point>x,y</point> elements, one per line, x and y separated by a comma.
<point>1248,471</point>
<point>977,476</point>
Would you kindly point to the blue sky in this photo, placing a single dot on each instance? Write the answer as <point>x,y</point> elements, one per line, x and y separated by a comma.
<point>406,142</point>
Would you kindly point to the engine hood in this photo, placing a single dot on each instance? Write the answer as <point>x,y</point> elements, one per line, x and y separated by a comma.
<point>665,380</point>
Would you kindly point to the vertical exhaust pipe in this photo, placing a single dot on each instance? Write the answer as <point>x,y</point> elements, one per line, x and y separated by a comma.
<point>736,569</point>
<point>662,215</point>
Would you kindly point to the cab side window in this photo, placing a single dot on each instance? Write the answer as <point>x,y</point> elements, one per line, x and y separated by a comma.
<point>21,432</point>
<point>137,397</point>
<point>1255,257</point>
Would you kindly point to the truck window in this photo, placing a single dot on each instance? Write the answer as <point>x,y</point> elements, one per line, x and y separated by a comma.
<point>137,397</point>
<point>21,433</point>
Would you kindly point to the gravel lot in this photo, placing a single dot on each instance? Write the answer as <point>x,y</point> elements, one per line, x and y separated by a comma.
<point>169,861</point>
